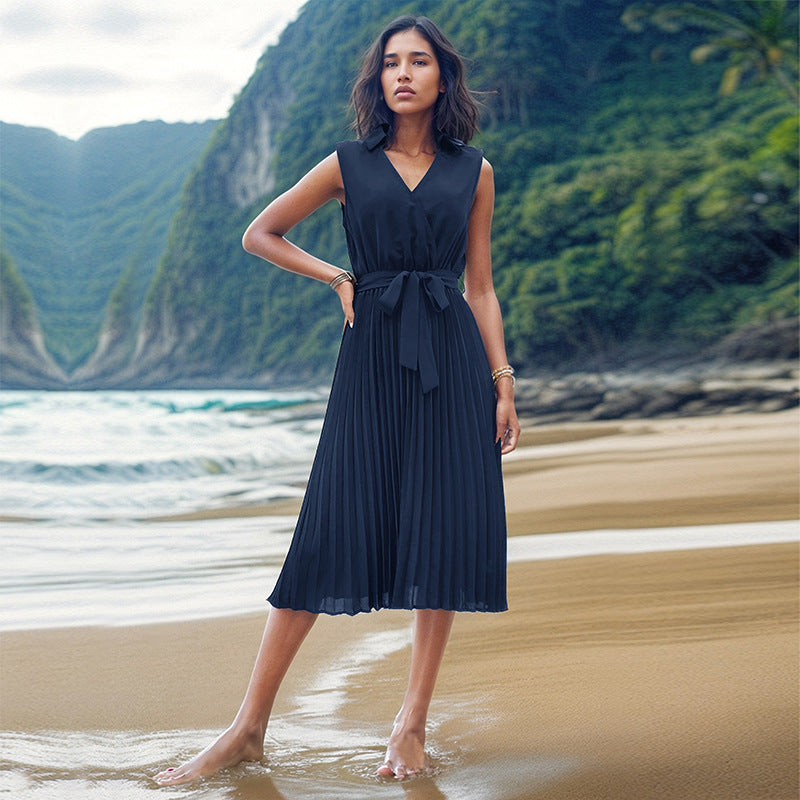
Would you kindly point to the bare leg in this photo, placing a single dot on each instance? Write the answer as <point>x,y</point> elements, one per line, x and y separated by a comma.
<point>405,755</point>
<point>244,739</point>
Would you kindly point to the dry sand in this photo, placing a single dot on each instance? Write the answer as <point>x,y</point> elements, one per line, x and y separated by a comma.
<point>669,676</point>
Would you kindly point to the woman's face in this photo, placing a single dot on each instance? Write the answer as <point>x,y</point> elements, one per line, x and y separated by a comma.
<point>410,77</point>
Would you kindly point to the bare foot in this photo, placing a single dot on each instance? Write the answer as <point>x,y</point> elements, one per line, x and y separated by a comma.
<point>229,749</point>
<point>405,755</point>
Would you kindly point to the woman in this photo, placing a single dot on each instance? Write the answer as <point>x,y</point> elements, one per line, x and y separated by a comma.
<point>404,506</point>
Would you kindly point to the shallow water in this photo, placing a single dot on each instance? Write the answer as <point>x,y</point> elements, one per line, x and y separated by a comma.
<point>61,765</point>
<point>124,573</point>
<point>313,751</point>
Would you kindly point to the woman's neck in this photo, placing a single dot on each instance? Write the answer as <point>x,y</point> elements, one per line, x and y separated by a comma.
<point>413,136</point>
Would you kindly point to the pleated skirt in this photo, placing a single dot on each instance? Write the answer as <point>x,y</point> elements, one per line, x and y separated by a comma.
<point>404,506</point>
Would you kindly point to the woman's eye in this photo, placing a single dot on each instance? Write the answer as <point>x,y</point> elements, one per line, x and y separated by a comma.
<point>389,64</point>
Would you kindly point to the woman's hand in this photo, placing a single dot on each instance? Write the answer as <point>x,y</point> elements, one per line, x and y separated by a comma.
<point>346,293</point>
<point>507,424</point>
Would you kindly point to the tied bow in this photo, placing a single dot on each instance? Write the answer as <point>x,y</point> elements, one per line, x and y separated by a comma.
<point>413,291</point>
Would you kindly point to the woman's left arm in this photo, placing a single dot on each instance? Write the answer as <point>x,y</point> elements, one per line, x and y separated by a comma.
<point>481,298</point>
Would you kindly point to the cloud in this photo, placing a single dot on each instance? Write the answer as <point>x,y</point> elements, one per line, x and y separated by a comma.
<point>139,59</point>
<point>28,19</point>
<point>71,80</point>
<point>111,19</point>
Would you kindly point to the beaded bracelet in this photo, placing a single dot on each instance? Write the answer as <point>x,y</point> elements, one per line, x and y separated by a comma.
<point>505,368</point>
<point>502,372</point>
<point>343,276</point>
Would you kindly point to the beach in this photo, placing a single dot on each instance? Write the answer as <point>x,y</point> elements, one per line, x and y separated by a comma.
<point>669,675</point>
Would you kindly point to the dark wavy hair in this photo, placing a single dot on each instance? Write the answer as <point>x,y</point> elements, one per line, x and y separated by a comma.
<point>455,113</point>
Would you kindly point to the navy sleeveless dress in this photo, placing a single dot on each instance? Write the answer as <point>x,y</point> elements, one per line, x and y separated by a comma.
<point>404,506</point>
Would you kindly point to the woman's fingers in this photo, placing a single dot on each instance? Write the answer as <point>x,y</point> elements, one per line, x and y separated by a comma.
<point>510,440</point>
<point>507,426</point>
<point>346,294</point>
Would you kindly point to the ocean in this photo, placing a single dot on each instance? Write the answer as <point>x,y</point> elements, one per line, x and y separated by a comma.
<point>89,480</point>
<point>85,475</point>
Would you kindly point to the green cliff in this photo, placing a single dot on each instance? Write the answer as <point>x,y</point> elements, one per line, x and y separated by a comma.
<point>76,215</point>
<point>646,174</point>
<point>635,204</point>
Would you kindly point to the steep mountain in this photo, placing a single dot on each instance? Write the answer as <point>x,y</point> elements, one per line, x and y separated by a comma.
<point>646,182</point>
<point>76,215</point>
<point>23,355</point>
<point>635,203</point>
<point>213,312</point>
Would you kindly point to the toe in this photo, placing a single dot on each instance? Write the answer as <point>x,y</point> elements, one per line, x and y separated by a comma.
<point>170,777</point>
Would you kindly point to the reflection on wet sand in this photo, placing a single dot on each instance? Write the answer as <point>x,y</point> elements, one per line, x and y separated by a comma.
<point>611,678</point>
<point>476,781</point>
<point>641,676</point>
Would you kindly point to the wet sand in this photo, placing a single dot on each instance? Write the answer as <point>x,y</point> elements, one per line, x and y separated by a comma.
<point>669,676</point>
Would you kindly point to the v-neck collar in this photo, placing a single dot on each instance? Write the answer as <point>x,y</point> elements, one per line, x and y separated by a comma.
<point>378,136</point>
<point>402,179</point>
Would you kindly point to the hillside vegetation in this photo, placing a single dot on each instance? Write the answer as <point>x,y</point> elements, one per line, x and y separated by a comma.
<point>635,203</point>
<point>75,215</point>
<point>646,176</point>
<point>23,356</point>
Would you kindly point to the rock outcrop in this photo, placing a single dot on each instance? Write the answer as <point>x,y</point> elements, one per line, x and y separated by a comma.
<point>712,387</point>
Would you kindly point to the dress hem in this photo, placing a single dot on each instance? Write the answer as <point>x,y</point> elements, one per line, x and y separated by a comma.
<point>354,612</point>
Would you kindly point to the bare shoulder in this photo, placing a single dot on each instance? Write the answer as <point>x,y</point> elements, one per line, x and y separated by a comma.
<point>326,176</point>
<point>484,192</point>
<point>487,173</point>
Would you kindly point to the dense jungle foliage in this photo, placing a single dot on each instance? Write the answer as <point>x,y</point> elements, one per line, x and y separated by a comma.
<point>639,201</point>
<point>645,159</point>
<point>75,215</point>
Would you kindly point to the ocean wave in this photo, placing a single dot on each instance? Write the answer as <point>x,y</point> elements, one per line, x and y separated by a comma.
<point>133,454</point>
<point>122,472</point>
<point>174,402</point>
<point>228,406</point>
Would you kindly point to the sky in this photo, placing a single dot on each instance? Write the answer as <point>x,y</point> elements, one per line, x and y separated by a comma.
<point>75,65</point>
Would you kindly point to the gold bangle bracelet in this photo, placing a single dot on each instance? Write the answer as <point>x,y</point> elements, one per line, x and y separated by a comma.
<point>505,368</point>
<point>505,375</point>
<point>343,276</point>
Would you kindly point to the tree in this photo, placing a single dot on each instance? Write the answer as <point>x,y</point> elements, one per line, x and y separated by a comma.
<point>756,36</point>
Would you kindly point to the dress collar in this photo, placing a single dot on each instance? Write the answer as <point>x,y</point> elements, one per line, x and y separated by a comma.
<point>377,136</point>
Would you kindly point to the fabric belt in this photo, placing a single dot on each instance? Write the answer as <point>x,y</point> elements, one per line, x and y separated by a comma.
<point>413,292</point>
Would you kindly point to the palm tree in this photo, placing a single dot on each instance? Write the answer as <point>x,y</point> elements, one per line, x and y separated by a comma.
<point>758,36</point>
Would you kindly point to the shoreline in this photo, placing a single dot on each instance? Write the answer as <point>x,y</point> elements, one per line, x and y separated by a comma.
<point>667,675</point>
<point>632,474</point>
<point>611,677</point>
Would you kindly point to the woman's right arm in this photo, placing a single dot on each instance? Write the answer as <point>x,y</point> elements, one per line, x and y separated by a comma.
<point>265,236</point>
